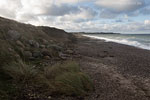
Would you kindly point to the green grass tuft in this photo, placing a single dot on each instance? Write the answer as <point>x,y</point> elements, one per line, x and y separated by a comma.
<point>20,71</point>
<point>68,79</point>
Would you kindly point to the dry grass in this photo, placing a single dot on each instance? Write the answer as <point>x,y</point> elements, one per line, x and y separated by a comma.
<point>20,71</point>
<point>67,79</point>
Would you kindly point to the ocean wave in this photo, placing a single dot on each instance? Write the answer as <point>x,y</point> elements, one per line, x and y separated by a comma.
<point>123,41</point>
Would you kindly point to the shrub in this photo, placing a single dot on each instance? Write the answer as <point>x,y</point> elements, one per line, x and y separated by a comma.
<point>59,69</point>
<point>5,55</point>
<point>67,79</point>
<point>73,83</point>
<point>20,71</point>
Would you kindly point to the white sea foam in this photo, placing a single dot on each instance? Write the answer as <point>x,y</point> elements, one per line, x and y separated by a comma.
<point>122,41</point>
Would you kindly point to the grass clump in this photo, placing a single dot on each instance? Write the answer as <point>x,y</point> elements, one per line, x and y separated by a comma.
<point>20,71</point>
<point>61,79</point>
<point>68,79</point>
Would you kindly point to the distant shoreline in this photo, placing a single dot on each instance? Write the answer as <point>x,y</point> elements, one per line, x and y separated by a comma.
<point>95,33</point>
<point>136,44</point>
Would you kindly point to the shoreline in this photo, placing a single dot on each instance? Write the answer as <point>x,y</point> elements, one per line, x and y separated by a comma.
<point>119,71</point>
<point>114,41</point>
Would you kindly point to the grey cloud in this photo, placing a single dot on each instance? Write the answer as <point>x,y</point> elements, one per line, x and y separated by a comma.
<point>84,14</point>
<point>121,5</point>
<point>55,10</point>
<point>106,14</point>
<point>111,10</point>
<point>145,11</point>
<point>119,20</point>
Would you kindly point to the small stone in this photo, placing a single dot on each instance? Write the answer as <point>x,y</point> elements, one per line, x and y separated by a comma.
<point>148,93</point>
<point>49,97</point>
<point>27,54</point>
<point>70,51</point>
<point>56,47</point>
<point>17,56</point>
<point>10,49</point>
<point>63,56</point>
<point>42,46</point>
<point>77,56</point>
<point>44,41</point>
<point>34,43</point>
<point>46,52</point>
<point>46,57</point>
<point>19,43</point>
<point>31,42</point>
<point>36,54</point>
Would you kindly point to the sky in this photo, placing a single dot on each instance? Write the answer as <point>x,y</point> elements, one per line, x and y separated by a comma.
<point>123,16</point>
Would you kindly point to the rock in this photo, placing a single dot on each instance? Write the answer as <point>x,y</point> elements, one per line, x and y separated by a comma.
<point>56,47</point>
<point>51,41</point>
<point>44,41</point>
<point>46,52</point>
<point>70,51</point>
<point>10,49</point>
<point>77,56</point>
<point>21,50</point>
<point>27,48</point>
<point>31,42</point>
<point>19,43</point>
<point>63,56</point>
<point>36,54</point>
<point>42,46</point>
<point>46,57</point>
<point>13,35</point>
<point>34,43</point>
<point>27,54</point>
<point>49,97</point>
<point>17,56</point>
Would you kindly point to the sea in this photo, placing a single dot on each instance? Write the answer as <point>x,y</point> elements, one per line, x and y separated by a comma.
<point>137,40</point>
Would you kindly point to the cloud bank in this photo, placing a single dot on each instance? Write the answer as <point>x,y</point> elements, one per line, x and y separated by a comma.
<point>81,15</point>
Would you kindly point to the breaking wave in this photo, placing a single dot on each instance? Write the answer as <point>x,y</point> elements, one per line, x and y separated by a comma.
<point>123,41</point>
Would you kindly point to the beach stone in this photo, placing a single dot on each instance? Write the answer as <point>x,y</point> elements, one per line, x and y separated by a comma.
<point>63,56</point>
<point>17,56</point>
<point>56,47</point>
<point>27,54</point>
<point>27,48</point>
<point>21,50</point>
<point>10,49</point>
<point>36,54</point>
<point>34,43</point>
<point>32,58</point>
<point>19,43</point>
<point>46,52</point>
<point>13,35</point>
<point>42,46</point>
<point>70,51</point>
<point>47,57</point>
<point>44,41</point>
<point>31,42</point>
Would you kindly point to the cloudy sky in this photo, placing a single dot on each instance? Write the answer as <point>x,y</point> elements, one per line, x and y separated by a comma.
<point>126,16</point>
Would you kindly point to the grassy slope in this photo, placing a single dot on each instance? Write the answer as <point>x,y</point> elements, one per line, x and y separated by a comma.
<point>18,75</point>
